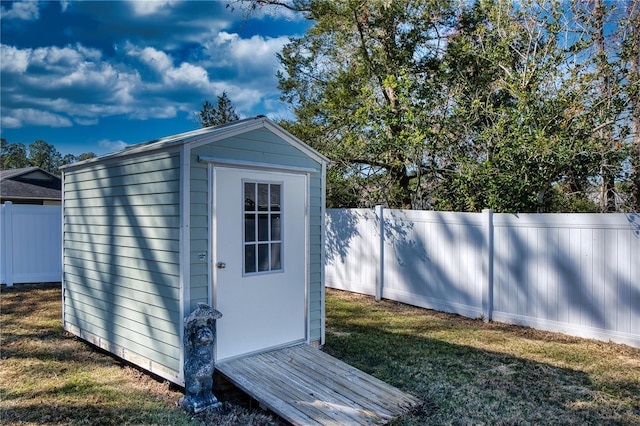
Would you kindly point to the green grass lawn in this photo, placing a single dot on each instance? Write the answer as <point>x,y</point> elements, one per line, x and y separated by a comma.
<point>48,376</point>
<point>465,371</point>
<point>470,372</point>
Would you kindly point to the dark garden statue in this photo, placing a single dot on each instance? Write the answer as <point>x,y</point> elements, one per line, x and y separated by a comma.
<point>199,341</point>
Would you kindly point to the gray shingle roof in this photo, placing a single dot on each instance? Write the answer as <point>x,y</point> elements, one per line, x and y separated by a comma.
<point>30,183</point>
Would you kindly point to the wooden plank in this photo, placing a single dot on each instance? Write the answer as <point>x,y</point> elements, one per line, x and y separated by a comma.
<point>263,391</point>
<point>350,385</point>
<point>341,405</point>
<point>367,388</point>
<point>321,393</point>
<point>296,395</point>
<point>308,387</point>
<point>293,401</point>
<point>362,386</point>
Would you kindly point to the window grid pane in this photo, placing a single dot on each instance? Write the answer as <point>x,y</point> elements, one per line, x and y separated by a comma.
<point>262,237</point>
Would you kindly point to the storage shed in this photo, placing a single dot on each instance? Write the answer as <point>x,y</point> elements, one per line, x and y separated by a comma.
<point>232,216</point>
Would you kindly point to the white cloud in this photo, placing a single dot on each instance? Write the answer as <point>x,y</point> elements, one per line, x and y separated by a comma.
<point>33,117</point>
<point>254,64</point>
<point>86,121</point>
<point>62,86</point>
<point>255,56</point>
<point>53,59</point>
<point>146,112</point>
<point>13,59</point>
<point>157,60</point>
<point>112,146</point>
<point>80,84</point>
<point>24,10</point>
<point>59,60</point>
<point>9,122</point>
<point>256,50</point>
<point>151,7</point>
<point>168,77</point>
<point>192,75</point>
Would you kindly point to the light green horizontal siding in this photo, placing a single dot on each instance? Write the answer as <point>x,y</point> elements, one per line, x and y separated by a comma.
<point>145,318</point>
<point>200,294</point>
<point>165,355</point>
<point>140,268</point>
<point>259,146</point>
<point>141,167</point>
<point>316,220</point>
<point>121,254</point>
<point>134,212</point>
<point>143,292</point>
<point>103,250</point>
<point>86,218</point>
<point>95,198</point>
<point>126,242</point>
<point>123,185</point>
<point>199,197</point>
<point>147,233</point>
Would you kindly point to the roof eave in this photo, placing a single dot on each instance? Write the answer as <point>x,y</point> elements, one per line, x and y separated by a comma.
<point>206,135</point>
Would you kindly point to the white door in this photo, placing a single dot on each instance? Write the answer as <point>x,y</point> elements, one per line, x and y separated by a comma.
<point>260,257</point>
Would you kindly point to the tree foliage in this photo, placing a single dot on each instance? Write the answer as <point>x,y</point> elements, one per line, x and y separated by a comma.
<point>222,113</point>
<point>45,156</point>
<point>516,104</point>
<point>37,154</point>
<point>13,155</point>
<point>363,82</point>
<point>468,105</point>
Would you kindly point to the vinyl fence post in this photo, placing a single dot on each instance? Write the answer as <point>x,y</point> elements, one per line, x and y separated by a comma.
<point>7,243</point>
<point>487,285</point>
<point>380,280</point>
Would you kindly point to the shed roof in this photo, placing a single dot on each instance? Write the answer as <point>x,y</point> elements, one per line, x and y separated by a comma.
<point>207,135</point>
<point>31,183</point>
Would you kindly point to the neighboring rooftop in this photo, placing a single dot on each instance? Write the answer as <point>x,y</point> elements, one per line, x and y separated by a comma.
<point>30,185</point>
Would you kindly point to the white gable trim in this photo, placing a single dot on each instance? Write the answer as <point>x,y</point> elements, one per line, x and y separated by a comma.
<point>260,123</point>
<point>199,137</point>
<point>274,128</point>
<point>229,162</point>
<point>224,133</point>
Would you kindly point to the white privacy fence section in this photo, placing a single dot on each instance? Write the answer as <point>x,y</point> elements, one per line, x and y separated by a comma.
<point>573,273</point>
<point>31,243</point>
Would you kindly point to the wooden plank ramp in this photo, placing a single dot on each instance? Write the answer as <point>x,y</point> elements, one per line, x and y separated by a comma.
<point>306,386</point>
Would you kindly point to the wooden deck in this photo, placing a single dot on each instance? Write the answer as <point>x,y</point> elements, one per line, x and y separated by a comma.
<point>305,386</point>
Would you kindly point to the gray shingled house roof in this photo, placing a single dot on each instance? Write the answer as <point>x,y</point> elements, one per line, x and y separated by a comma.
<point>31,185</point>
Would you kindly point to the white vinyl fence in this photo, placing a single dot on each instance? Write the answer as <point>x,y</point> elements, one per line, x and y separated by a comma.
<point>573,273</point>
<point>31,243</point>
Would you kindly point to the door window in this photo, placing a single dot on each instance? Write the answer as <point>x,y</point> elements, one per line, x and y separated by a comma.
<point>262,234</point>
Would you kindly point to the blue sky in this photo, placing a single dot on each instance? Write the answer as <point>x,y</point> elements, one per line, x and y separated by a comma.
<point>93,76</point>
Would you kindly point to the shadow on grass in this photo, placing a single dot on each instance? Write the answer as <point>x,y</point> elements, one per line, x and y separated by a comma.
<point>462,384</point>
<point>48,376</point>
<point>91,414</point>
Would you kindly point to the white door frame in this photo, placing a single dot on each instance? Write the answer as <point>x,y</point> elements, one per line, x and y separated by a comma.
<point>215,164</point>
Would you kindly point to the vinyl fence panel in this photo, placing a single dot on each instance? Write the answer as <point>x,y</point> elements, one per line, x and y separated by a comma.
<point>573,273</point>
<point>31,243</point>
<point>433,263</point>
<point>353,248</point>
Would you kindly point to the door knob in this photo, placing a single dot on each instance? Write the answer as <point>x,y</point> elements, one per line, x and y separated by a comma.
<point>221,265</point>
